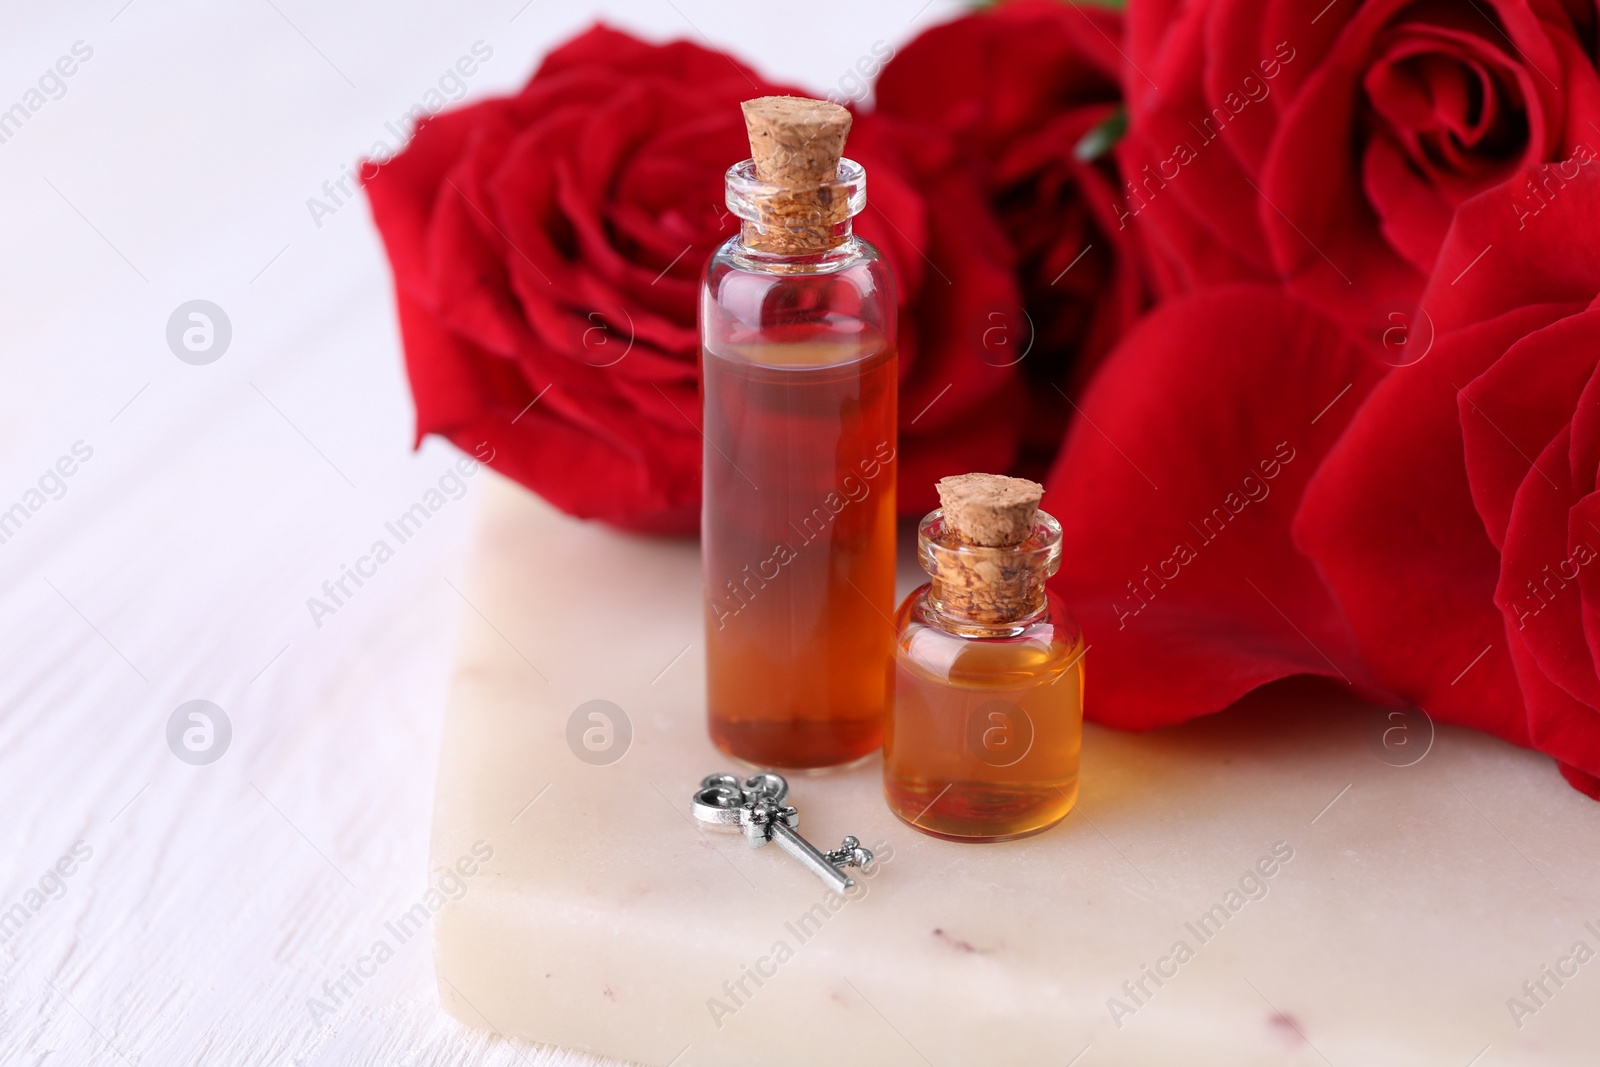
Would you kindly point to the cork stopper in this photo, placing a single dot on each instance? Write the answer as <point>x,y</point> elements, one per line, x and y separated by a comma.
<point>796,144</point>
<point>989,509</point>
<point>982,574</point>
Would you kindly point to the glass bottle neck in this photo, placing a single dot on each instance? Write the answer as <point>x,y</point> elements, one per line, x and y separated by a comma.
<point>753,242</point>
<point>790,224</point>
<point>988,591</point>
<point>951,614</point>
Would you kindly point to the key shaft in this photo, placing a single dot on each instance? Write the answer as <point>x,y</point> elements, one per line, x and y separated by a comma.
<point>813,858</point>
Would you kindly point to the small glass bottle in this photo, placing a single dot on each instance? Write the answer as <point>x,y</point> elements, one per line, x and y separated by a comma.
<point>799,380</point>
<point>986,717</point>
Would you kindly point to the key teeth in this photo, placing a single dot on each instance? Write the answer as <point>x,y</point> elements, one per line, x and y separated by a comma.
<point>850,854</point>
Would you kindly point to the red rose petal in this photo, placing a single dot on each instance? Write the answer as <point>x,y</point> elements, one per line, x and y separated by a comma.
<point>1511,413</point>
<point>1411,214</point>
<point>1317,218</point>
<point>1177,159</point>
<point>1537,591</point>
<point>1239,63</point>
<point>1583,541</point>
<point>1584,462</point>
<point>1391,509</point>
<point>1529,237</point>
<point>994,77</point>
<point>1582,781</point>
<point>1170,459</point>
<point>1558,724</point>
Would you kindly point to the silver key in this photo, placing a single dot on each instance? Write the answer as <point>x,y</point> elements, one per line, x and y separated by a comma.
<point>756,808</point>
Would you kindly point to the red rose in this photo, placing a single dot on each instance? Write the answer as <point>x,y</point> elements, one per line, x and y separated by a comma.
<point>1329,146</point>
<point>1458,521</point>
<point>1031,91</point>
<point>547,249</point>
<point>1175,490</point>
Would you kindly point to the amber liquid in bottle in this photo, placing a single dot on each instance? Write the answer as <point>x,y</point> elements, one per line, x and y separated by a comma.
<point>798,537</point>
<point>986,722</point>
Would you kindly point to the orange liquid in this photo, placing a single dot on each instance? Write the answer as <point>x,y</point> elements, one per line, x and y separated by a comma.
<point>798,544</point>
<point>984,735</point>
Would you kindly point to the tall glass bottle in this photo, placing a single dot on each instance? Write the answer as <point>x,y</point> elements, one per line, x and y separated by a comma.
<point>797,321</point>
<point>986,717</point>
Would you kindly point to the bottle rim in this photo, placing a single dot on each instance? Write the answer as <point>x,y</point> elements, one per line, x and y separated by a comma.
<point>745,192</point>
<point>1040,553</point>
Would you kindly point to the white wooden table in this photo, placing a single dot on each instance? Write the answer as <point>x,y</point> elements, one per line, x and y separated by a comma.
<point>209,905</point>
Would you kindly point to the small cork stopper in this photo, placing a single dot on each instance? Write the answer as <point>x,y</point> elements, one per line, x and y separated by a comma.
<point>796,144</point>
<point>986,516</point>
<point>989,509</point>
